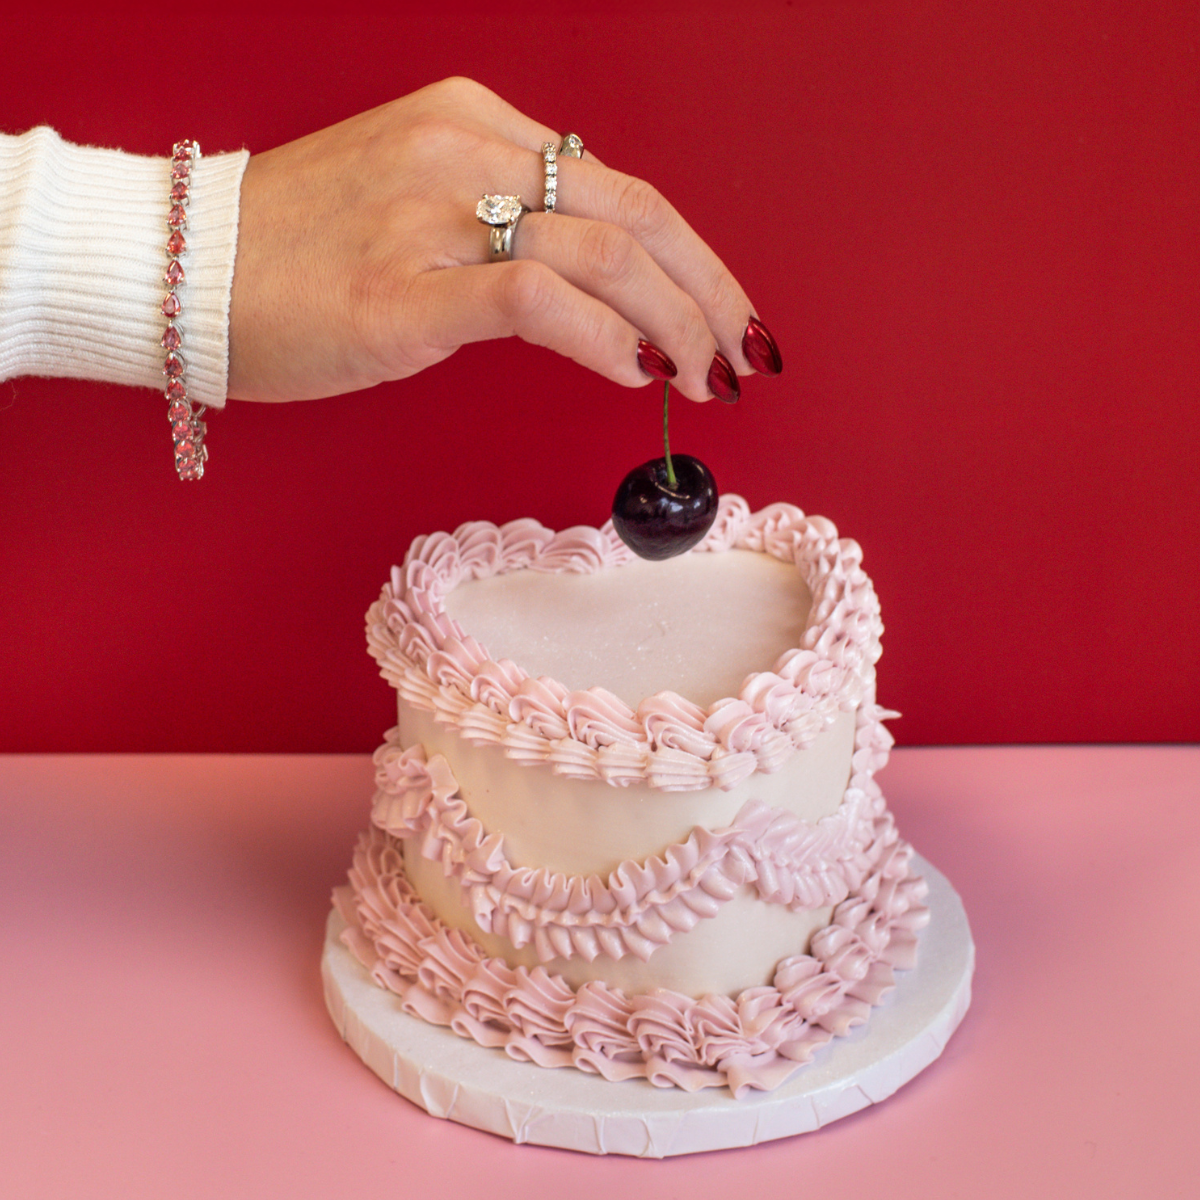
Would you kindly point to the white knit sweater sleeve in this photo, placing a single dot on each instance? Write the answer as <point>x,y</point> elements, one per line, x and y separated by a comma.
<point>83,237</point>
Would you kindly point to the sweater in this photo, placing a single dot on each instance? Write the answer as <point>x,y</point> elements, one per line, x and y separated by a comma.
<point>83,237</point>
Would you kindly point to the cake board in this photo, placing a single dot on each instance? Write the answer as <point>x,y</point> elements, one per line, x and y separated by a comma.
<point>453,1078</point>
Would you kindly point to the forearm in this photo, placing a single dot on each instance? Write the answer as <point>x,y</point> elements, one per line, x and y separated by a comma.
<point>82,253</point>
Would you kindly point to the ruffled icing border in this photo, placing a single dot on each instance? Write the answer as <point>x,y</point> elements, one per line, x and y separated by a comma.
<point>755,1041</point>
<point>668,742</point>
<point>639,906</point>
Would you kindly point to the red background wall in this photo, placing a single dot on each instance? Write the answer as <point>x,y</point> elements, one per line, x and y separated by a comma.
<point>972,228</point>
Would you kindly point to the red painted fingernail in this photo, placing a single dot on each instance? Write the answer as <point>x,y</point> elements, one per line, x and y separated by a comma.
<point>723,380</point>
<point>654,362</point>
<point>760,350</point>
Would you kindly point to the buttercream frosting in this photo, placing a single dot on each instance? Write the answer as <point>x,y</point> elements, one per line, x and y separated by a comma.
<point>640,905</point>
<point>495,969</point>
<point>667,741</point>
<point>754,1041</point>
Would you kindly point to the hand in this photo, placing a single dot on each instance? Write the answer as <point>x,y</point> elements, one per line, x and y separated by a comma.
<point>360,259</point>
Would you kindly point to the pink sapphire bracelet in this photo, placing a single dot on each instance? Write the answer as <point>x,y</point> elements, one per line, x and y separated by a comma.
<point>187,429</point>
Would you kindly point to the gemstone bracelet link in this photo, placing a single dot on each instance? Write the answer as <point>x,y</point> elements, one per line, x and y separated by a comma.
<point>187,429</point>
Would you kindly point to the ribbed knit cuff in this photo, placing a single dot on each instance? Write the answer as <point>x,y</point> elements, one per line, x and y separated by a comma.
<point>83,237</point>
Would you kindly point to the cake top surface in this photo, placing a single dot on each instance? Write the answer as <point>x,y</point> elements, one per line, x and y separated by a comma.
<point>697,625</point>
<point>816,625</point>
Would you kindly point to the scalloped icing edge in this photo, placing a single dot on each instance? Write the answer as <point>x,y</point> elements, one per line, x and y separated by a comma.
<point>668,742</point>
<point>639,906</point>
<point>753,1042</point>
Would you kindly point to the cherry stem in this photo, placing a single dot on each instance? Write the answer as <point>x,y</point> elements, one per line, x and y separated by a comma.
<point>671,481</point>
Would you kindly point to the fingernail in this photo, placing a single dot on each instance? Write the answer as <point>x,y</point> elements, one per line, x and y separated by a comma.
<point>654,362</point>
<point>723,380</point>
<point>760,350</point>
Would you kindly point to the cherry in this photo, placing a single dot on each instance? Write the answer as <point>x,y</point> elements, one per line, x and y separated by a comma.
<point>658,518</point>
<point>666,505</point>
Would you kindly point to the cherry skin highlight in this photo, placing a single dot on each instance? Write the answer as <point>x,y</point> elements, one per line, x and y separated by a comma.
<point>657,520</point>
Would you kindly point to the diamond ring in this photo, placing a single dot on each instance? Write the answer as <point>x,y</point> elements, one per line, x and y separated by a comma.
<point>502,213</point>
<point>572,146</point>
<point>550,158</point>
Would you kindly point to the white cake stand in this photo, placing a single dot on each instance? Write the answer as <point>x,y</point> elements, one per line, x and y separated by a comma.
<point>452,1077</point>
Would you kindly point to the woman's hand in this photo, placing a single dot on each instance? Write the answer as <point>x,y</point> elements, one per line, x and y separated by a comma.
<point>360,259</point>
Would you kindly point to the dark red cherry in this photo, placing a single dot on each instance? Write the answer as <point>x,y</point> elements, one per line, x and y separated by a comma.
<point>657,520</point>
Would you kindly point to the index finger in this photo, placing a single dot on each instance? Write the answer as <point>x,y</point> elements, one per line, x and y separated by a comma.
<point>587,188</point>
<point>591,190</point>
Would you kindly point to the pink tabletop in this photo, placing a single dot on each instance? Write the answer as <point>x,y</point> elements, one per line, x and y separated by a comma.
<point>164,1033</point>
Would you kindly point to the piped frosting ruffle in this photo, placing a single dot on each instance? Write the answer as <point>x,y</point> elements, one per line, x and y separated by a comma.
<point>639,906</point>
<point>852,859</point>
<point>754,1041</point>
<point>668,742</point>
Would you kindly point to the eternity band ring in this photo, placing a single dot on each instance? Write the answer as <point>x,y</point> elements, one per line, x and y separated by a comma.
<point>502,213</point>
<point>572,147</point>
<point>550,159</point>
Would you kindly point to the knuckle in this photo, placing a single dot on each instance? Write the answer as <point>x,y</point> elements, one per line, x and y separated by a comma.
<point>460,89</point>
<point>607,253</point>
<point>526,290</point>
<point>693,331</point>
<point>697,326</point>
<point>437,135</point>
<point>643,210</point>
<point>722,298</point>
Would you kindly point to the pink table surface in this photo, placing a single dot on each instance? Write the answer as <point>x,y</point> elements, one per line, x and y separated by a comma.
<point>164,1035</point>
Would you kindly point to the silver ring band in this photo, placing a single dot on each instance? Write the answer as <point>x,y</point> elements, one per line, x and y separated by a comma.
<point>500,242</point>
<point>572,146</point>
<point>502,213</point>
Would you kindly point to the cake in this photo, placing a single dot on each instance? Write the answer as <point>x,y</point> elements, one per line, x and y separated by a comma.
<point>627,822</point>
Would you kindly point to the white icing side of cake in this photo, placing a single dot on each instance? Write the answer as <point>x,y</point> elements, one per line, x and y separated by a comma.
<point>581,826</point>
<point>696,625</point>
